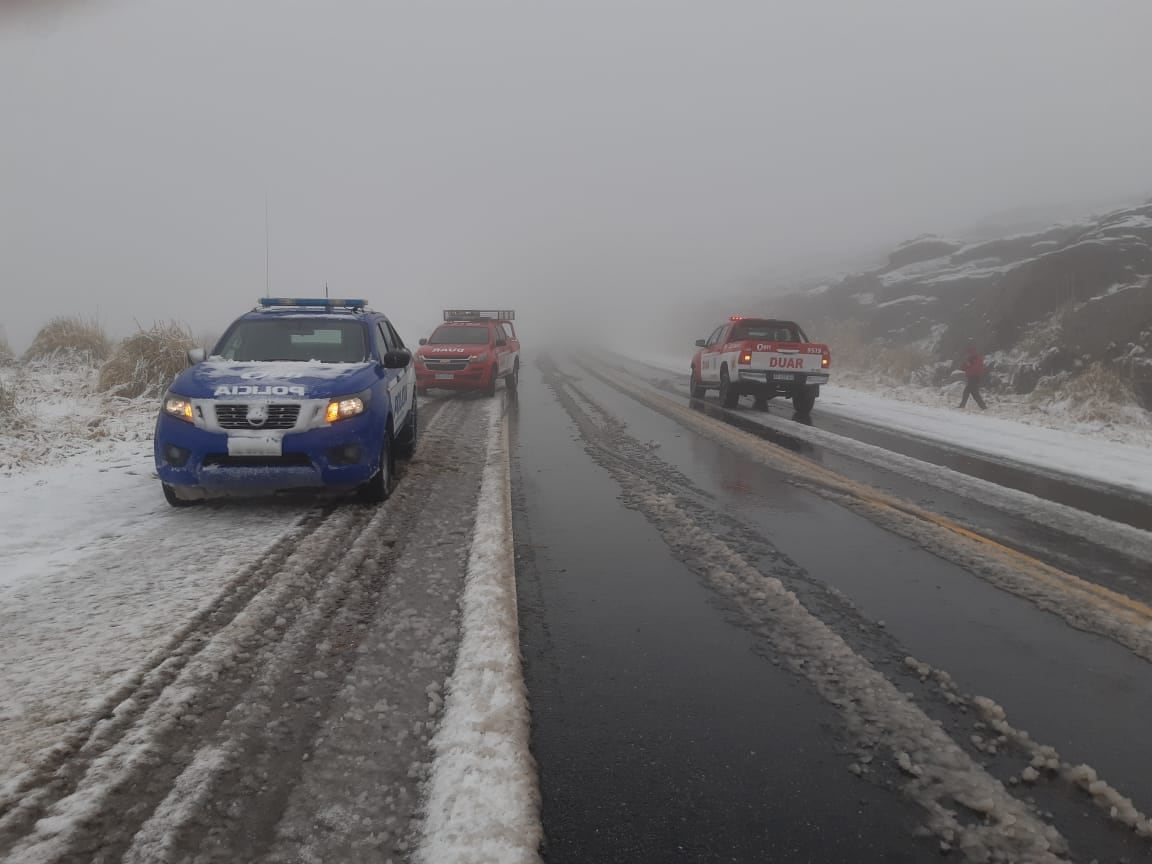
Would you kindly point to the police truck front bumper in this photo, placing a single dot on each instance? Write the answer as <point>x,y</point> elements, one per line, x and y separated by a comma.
<point>200,463</point>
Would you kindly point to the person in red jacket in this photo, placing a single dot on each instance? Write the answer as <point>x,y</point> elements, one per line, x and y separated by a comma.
<point>973,373</point>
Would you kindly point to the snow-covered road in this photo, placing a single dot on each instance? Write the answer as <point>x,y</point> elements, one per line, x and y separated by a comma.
<point>194,682</point>
<point>98,577</point>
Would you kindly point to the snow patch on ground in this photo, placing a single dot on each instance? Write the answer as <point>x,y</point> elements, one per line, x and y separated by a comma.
<point>911,298</point>
<point>1045,762</point>
<point>96,570</point>
<point>60,414</point>
<point>1112,455</point>
<point>483,800</point>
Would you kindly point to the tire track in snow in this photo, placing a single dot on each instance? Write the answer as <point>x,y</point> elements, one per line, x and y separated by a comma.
<point>965,807</point>
<point>54,770</point>
<point>321,757</point>
<point>119,748</point>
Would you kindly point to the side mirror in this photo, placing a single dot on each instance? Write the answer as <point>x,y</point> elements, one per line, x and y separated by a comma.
<point>195,355</point>
<point>701,343</point>
<point>397,359</point>
<point>424,341</point>
<point>500,343</point>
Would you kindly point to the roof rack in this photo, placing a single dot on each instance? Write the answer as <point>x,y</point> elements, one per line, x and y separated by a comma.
<point>356,305</point>
<point>479,315</point>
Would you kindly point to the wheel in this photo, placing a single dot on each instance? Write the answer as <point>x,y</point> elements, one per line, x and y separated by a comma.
<point>406,441</point>
<point>383,481</point>
<point>698,389</point>
<point>804,399</point>
<point>513,379</point>
<point>172,498</point>
<point>729,395</point>
<point>490,390</point>
<point>762,402</point>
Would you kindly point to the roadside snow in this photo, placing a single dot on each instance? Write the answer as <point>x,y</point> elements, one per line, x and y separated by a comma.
<point>483,801</point>
<point>96,570</point>
<point>60,414</point>
<point>1080,451</point>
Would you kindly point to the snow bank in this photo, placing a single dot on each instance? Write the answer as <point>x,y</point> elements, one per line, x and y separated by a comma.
<point>483,801</point>
<point>1083,452</point>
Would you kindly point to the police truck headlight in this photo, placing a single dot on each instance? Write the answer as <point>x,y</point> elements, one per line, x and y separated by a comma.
<point>179,407</point>
<point>342,409</point>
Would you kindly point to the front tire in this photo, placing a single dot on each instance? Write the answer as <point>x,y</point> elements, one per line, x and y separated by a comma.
<point>377,490</point>
<point>804,400</point>
<point>513,379</point>
<point>490,390</point>
<point>729,395</point>
<point>175,500</point>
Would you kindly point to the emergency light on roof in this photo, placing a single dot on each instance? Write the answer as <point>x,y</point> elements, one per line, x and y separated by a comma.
<point>479,314</point>
<point>736,318</point>
<point>313,302</point>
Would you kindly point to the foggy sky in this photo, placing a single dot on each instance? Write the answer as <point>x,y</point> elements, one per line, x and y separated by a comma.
<point>559,157</point>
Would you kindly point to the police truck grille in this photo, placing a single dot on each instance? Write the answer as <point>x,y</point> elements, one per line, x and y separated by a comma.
<point>234,415</point>
<point>446,364</point>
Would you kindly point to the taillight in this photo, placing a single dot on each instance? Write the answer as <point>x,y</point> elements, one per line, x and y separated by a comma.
<point>826,361</point>
<point>746,359</point>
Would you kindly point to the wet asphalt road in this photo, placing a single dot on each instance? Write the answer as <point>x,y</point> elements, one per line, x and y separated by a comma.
<point>666,727</point>
<point>1109,567</point>
<point>1101,499</point>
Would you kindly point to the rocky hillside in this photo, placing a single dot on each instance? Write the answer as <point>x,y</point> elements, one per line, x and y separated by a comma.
<point>1040,305</point>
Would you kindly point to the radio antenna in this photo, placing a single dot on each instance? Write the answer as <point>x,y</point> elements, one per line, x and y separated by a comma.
<point>267,253</point>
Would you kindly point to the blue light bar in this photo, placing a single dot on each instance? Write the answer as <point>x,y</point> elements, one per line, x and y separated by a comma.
<point>314,302</point>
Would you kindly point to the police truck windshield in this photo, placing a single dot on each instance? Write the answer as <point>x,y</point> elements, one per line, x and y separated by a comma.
<point>459,336</point>
<point>304,339</point>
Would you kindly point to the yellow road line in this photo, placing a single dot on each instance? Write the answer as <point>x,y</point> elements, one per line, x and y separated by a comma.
<point>1044,571</point>
<point>811,472</point>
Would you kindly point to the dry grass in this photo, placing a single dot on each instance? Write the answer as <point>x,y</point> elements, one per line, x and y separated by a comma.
<point>1039,336</point>
<point>9,410</point>
<point>1099,394</point>
<point>853,352</point>
<point>7,356</point>
<point>145,363</point>
<point>70,337</point>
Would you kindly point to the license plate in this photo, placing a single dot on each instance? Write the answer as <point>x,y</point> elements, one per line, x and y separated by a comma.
<point>783,376</point>
<point>266,445</point>
<point>445,376</point>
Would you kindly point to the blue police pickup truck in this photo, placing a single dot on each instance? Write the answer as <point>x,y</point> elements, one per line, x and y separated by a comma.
<point>299,394</point>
